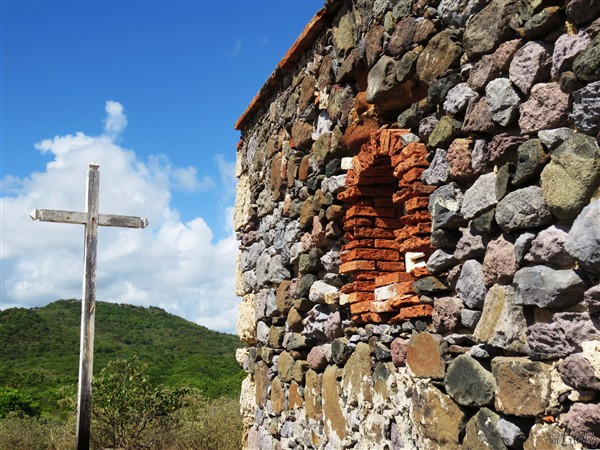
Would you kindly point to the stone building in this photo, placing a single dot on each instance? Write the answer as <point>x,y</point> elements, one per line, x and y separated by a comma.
<point>418,210</point>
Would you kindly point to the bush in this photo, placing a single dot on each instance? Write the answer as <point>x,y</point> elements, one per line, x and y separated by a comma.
<point>19,432</point>
<point>11,400</point>
<point>128,412</point>
<point>208,424</point>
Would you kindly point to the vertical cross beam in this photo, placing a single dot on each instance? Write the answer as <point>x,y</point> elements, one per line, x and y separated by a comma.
<point>88,311</point>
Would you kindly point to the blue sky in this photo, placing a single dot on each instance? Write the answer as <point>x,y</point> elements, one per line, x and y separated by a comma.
<point>151,90</point>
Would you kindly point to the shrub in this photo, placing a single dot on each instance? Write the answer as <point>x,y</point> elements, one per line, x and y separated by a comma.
<point>128,412</point>
<point>11,400</point>
<point>204,424</point>
<point>33,433</point>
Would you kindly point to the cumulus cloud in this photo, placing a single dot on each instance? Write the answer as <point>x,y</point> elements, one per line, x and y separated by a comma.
<point>173,264</point>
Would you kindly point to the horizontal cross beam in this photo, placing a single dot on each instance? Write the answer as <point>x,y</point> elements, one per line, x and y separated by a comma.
<point>104,220</point>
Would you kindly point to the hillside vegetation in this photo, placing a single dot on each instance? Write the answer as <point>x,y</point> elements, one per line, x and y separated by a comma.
<point>39,349</point>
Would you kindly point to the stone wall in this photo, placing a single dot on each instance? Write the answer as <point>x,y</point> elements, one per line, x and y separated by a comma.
<point>418,211</point>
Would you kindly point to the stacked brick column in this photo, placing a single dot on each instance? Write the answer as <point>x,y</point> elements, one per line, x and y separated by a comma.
<point>386,218</point>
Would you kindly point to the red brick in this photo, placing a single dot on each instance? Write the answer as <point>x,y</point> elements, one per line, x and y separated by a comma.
<point>380,307</point>
<point>413,175</point>
<point>395,277</point>
<point>419,272</point>
<point>366,275</point>
<point>360,307</point>
<point>352,178</point>
<point>377,233</point>
<point>371,318</point>
<point>355,286</point>
<point>355,192</point>
<point>355,297</point>
<point>413,230</point>
<point>416,203</point>
<point>412,190</point>
<point>402,288</point>
<point>389,266</point>
<point>386,243</point>
<point>369,211</point>
<point>404,300</point>
<point>372,254</point>
<point>416,244</point>
<point>412,312</point>
<point>358,243</point>
<point>357,222</point>
<point>353,266</point>
<point>419,216</point>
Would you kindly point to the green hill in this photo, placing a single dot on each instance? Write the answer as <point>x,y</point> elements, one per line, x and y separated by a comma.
<point>39,349</point>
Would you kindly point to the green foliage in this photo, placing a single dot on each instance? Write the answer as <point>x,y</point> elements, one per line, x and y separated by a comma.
<point>128,411</point>
<point>41,346</point>
<point>11,400</point>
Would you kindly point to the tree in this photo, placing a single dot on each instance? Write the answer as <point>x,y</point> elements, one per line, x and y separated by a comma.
<point>128,411</point>
<point>12,400</point>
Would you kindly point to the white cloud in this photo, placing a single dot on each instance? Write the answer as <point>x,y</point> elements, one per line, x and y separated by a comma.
<point>115,120</point>
<point>174,265</point>
<point>236,49</point>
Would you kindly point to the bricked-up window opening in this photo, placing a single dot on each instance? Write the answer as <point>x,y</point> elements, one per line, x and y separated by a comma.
<point>386,223</point>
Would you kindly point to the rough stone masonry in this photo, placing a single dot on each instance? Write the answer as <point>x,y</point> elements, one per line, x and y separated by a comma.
<point>418,211</point>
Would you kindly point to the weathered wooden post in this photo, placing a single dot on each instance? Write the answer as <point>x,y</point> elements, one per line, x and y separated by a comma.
<point>91,219</point>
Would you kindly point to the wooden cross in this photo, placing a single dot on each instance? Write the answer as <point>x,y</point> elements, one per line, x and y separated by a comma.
<point>91,219</point>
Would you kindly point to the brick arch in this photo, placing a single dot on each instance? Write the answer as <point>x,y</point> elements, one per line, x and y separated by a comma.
<point>386,222</point>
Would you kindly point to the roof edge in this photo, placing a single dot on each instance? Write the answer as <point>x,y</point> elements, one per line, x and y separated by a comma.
<point>309,35</point>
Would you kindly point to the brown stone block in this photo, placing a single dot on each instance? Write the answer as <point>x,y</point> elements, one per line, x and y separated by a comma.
<point>389,266</point>
<point>295,400</point>
<point>359,133</point>
<point>424,355</point>
<point>416,203</point>
<point>333,417</point>
<point>377,233</point>
<point>390,278</point>
<point>304,168</point>
<point>353,266</point>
